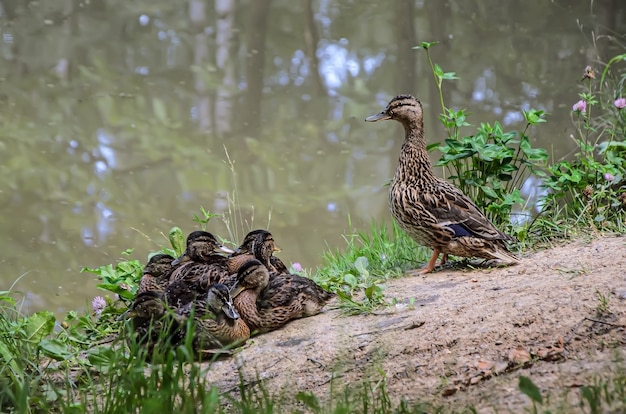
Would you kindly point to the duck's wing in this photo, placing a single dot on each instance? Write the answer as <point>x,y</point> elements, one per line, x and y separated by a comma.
<point>455,211</point>
<point>283,289</point>
<point>278,265</point>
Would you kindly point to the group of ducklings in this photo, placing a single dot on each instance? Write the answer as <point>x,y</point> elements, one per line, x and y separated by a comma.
<point>224,298</point>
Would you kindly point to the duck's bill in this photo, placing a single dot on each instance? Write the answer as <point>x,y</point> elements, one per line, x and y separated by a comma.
<point>182,259</point>
<point>381,116</point>
<point>126,315</point>
<point>230,310</point>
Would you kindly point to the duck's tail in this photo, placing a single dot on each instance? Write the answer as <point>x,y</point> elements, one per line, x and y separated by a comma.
<point>500,252</point>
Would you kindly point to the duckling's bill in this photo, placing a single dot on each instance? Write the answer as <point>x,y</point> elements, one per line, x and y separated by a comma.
<point>230,311</point>
<point>236,289</point>
<point>224,249</point>
<point>182,259</point>
<point>130,313</point>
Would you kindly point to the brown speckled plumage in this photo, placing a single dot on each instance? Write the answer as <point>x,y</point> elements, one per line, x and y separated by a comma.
<point>150,316</point>
<point>260,245</point>
<point>156,274</point>
<point>217,322</point>
<point>266,304</point>
<point>432,211</point>
<point>199,267</point>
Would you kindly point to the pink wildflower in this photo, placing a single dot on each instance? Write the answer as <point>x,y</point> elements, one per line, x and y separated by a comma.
<point>296,267</point>
<point>98,303</point>
<point>580,106</point>
<point>609,177</point>
<point>620,103</point>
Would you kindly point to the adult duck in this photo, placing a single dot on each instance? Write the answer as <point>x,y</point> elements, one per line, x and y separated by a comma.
<point>435,213</point>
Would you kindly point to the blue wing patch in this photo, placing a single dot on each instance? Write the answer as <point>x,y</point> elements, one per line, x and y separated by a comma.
<point>459,230</point>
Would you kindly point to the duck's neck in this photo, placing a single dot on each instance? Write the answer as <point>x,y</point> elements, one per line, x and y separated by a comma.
<point>232,329</point>
<point>246,305</point>
<point>414,161</point>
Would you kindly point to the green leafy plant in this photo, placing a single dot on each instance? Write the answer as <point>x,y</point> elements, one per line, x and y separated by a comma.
<point>359,279</point>
<point>204,217</point>
<point>491,164</point>
<point>25,341</point>
<point>357,274</point>
<point>592,187</point>
<point>123,277</point>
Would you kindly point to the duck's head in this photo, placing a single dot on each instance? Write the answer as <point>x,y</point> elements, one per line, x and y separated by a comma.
<point>220,301</point>
<point>150,304</point>
<point>403,108</point>
<point>201,245</point>
<point>260,243</point>
<point>159,265</point>
<point>252,275</point>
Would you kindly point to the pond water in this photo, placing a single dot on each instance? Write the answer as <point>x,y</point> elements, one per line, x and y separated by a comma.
<point>122,119</point>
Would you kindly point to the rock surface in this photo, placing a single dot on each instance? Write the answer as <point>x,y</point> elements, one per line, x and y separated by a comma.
<point>460,337</point>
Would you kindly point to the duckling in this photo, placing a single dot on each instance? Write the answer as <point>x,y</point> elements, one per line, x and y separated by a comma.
<point>266,304</point>
<point>156,274</point>
<point>260,245</point>
<point>150,317</point>
<point>199,267</point>
<point>217,322</point>
<point>432,211</point>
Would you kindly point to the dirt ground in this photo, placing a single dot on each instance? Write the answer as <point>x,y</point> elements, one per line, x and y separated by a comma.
<point>559,318</point>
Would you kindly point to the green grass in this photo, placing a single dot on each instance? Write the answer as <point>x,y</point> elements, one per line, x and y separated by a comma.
<point>358,273</point>
<point>601,395</point>
<point>124,377</point>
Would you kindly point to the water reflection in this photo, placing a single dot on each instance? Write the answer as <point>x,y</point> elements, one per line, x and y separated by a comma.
<point>117,117</point>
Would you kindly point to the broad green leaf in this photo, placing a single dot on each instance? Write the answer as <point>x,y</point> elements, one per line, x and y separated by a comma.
<point>177,240</point>
<point>350,279</point>
<point>489,191</point>
<point>106,272</point>
<point>103,358</point>
<point>432,146</point>
<point>111,287</point>
<point>55,349</point>
<point>361,264</point>
<point>128,268</point>
<point>530,389</point>
<point>10,359</point>
<point>532,153</point>
<point>534,116</point>
<point>39,325</point>
<point>372,292</point>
